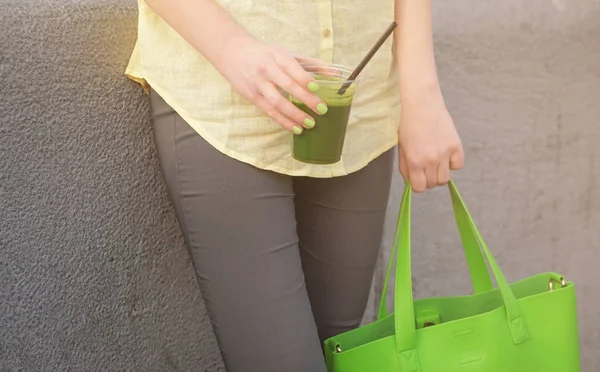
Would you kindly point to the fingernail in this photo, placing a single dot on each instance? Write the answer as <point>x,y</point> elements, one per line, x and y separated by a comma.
<point>297,130</point>
<point>322,108</point>
<point>309,122</point>
<point>313,87</point>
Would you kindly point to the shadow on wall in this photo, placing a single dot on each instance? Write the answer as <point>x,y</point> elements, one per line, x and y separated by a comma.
<point>93,269</point>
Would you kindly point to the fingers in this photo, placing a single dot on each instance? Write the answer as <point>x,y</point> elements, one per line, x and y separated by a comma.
<point>287,74</point>
<point>287,83</point>
<point>428,177</point>
<point>423,174</point>
<point>418,179</point>
<point>457,160</point>
<point>290,66</point>
<point>443,173</point>
<point>422,179</point>
<point>262,103</point>
<point>285,106</point>
<point>318,66</point>
<point>431,176</point>
<point>304,60</point>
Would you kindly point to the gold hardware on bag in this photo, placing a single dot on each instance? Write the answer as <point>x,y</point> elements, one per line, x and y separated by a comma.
<point>563,283</point>
<point>338,348</point>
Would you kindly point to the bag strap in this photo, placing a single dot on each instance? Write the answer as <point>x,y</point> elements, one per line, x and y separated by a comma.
<point>404,316</point>
<point>480,274</point>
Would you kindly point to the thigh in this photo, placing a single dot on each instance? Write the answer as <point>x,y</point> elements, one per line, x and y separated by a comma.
<point>340,225</point>
<point>239,225</point>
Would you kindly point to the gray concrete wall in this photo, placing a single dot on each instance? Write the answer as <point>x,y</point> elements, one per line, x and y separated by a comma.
<point>94,275</point>
<point>522,80</point>
<point>93,271</point>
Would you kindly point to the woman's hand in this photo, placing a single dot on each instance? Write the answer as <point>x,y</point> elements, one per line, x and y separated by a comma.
<point>428,145</point>
<point>258,71</point>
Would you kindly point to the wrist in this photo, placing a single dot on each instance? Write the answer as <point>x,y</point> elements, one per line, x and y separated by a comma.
<point>235,37</point>
<point>420,92</point>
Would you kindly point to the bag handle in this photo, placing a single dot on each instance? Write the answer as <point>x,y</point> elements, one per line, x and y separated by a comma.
<point>404,316</point>
<point>480,274</point>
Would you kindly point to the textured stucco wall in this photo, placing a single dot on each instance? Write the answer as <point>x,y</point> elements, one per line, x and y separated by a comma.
<point>93,272</point>
<point>94,275</point>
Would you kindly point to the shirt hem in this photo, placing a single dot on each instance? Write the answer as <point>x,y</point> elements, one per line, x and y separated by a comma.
<point>146,83</point>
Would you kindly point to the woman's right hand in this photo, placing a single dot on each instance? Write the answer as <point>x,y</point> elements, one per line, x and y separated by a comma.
<point>257,70</point>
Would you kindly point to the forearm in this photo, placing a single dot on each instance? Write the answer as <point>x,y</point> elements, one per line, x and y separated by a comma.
<point>414,45</point>
<point>202,23</point>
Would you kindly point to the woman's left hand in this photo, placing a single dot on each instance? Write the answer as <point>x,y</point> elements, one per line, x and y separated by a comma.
<point>428,145</point>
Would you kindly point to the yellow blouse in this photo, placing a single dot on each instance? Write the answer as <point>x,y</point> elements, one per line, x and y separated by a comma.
<point>336,31</point>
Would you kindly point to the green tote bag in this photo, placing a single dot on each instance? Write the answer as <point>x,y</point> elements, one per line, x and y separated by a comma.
<point>527,326</point>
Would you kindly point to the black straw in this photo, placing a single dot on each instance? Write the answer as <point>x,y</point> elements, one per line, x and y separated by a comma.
<point>367,58</point>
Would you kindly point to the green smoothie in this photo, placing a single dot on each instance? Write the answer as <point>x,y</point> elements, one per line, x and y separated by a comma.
<point>323,144</point>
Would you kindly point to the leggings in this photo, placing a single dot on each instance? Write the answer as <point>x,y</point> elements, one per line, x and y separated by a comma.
<point>283,262</point>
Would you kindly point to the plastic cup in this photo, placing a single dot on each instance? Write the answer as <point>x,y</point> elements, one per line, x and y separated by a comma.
<point>324,143</point>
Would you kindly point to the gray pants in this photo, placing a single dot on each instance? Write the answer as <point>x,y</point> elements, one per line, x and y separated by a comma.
<point>282,262</point>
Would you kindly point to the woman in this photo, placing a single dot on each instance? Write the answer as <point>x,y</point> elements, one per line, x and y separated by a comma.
<point>285,251</point>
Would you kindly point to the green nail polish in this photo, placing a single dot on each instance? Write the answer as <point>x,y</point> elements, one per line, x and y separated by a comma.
<point>313,87</point>
<point>297,130</point>
<point>309,122</point>
<point>322,108</point>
